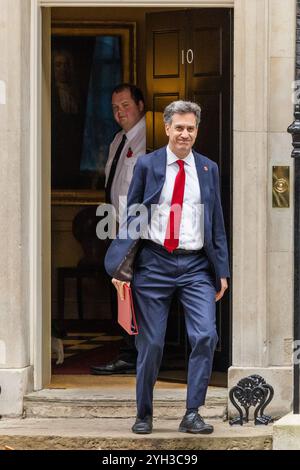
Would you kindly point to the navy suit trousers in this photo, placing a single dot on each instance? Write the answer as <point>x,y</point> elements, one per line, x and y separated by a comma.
<point>157,276</point>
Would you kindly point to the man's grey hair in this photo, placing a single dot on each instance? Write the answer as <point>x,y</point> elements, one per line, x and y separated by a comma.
<point>182,107</point>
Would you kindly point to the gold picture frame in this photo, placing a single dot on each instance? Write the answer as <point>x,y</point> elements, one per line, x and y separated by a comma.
<point>70,34</point>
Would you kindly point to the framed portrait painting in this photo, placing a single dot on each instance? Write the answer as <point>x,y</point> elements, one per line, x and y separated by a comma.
<point>88,60</point>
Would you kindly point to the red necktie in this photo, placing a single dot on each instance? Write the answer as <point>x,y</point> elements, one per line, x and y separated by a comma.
<point>172,234</point>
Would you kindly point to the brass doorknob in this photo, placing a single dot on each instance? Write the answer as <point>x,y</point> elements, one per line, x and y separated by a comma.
<point>281,186</point>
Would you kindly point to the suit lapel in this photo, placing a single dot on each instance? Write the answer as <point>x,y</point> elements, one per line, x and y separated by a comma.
<point>159,171</point>
<point>203,177</point>
<point>159,168</point>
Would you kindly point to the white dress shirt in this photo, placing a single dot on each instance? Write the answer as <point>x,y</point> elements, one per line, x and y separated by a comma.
<point>191,225</point>
<point>135,146</point>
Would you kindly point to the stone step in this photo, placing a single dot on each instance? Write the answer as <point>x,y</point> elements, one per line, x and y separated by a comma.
<point>115,434</point>
<point>120,403</point>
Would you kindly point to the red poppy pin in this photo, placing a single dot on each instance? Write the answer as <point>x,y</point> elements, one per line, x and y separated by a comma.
<point>129,153</point>
<point>205,168</point>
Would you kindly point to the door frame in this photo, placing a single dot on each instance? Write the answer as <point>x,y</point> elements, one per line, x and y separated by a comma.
<point>40,201</point>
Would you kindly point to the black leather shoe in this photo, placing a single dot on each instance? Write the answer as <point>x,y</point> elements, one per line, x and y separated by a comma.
<point>116,367</point>
<point>194,423</point>
<point>143,425</point>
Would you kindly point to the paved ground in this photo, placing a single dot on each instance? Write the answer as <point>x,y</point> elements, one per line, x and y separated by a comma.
<point>104,433</point>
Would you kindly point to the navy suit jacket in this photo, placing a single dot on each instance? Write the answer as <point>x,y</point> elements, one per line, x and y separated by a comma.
<point>146,186</point>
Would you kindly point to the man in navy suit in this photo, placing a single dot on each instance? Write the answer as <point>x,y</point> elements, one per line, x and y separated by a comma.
<point>181,248</point>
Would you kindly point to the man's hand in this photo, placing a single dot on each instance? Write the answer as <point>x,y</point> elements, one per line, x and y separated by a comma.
<point>119,285</point>
<point>224,286</point>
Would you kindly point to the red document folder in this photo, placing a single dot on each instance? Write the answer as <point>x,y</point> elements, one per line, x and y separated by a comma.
<point>126,315</point>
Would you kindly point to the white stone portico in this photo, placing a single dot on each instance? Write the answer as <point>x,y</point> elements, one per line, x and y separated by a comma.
<point>262,246</point>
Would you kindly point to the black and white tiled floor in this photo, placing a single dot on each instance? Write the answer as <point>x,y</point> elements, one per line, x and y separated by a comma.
<point>76,343</point>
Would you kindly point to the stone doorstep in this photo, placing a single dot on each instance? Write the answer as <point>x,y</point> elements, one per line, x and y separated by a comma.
<point>62,409</point>
<point>112,403</point>
<point>113,434</point>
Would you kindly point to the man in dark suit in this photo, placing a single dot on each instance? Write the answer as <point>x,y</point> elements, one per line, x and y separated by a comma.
<point>127,146</point>
<point>181,248</point>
